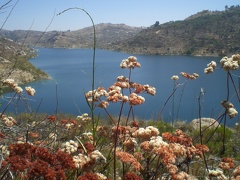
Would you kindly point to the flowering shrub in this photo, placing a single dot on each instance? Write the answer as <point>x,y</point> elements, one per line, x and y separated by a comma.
<point>59,147</point>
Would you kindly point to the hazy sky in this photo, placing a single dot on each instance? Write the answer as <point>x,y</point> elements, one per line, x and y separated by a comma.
<point>37,14</point>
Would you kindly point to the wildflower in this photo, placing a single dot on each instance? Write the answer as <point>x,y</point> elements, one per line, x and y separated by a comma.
<point>130,63</point>
<point>103,104</point>
<point>135,99</point>
<point>18,89</point>
<point>201,149</point>
<point>129,159</point>
<point>96,94</point>
<point>80,160</point>
<point>226,163</point>
<point>30,91</point>
<point>87,136</point>
<point>101,176</point>
<point>195,75</point>
<point>4,150</point>
<point>157,141</point>
<point>212,64</point>
<point>70,147</point>
<point>231,111</point>
<point>52,118</point>
<point>9,82</point>
<point>175,77</point>
<point>236,172</point>
<point>115,94</point>
<point>131,176</point>
<point>122,79</point>
<point>150,90</point>
<point>9,121</point>
<point>180,176</point>
<point>208,70</point>
<point>83,118</point>
<point>97,157</point>
<point>172,169</point>
<point>130,143</point>
<point>216,173</point>
<point>122,84</point>
<point>231,63</point>
<point>189,76</point>
<point>146,133</point>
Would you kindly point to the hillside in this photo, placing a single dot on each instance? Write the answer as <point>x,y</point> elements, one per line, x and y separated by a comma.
<point>14,63</point>
<point>106,34</point>
<point>205,33</point>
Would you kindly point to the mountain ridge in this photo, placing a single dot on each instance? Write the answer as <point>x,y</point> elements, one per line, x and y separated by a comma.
<point>206,33</point>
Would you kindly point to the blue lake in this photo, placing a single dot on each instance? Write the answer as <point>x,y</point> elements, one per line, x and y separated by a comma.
<point>71,72</point>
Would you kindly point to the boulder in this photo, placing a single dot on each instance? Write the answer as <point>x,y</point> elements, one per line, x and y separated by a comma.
<point>205,122</point>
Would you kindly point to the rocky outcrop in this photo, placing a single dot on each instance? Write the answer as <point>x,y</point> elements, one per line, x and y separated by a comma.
<point>205,122</point>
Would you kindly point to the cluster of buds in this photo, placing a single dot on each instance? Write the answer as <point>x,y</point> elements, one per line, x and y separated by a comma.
<point>4,150</point>
<point>68,124</point>
<point>95,157</point>
<point>30,91</point>
<point>146,133</point>
<point>130,63</point>
<point>189,76</point>
<point>95,94</point>
<point>138,88</point>
<point>84,118</point>
<point>218,174</point>
<point>135,99</point>
<point>13,85</point>
<point>175,77</point>
<point>226,163</point>
<point>210,67</point>
<point>8,120</point>
<point>231,63</point>
<point>231,111</point>
<point>70,147</point>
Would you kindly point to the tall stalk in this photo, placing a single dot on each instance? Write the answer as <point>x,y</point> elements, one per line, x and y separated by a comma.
<point>93,65</point>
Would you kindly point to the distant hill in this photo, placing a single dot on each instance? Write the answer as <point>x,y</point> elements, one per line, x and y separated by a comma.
<point>14,63</point>
<point>206,33</point>
<point>106,34</point>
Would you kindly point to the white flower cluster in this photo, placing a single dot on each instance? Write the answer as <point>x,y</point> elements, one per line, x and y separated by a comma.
<point>130,63</point>
<point>97,157</point>
<point>30,91</point>
<point>217,174</point>
<point>87,136</point>
<point>232,112</point>
<point>210,67</point>
<point>146,133</point>
<point>157,141</point>
<point>83,118</point>
<point>96,94</point>
<point>231,63</point>
<point>70,147</point>
<point>175,77</point>
<point>8,120</point>
<point>4,150</point>
<point>80,160</point>
<point>150,89</point>
<point>13,85</point>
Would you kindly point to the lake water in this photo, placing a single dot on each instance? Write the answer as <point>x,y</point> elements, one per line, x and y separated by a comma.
<point>71,71</point>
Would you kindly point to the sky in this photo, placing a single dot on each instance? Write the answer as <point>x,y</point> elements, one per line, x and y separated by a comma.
<point>39,14</point>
